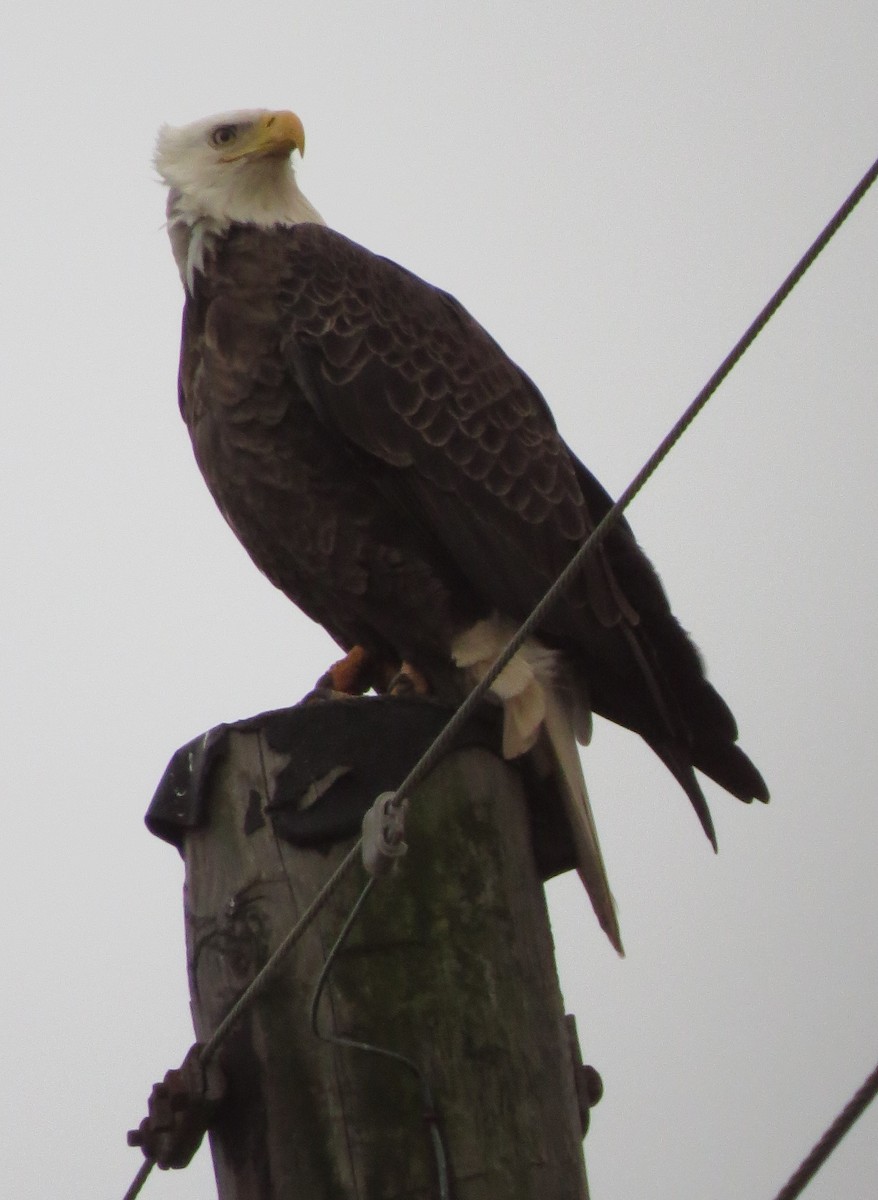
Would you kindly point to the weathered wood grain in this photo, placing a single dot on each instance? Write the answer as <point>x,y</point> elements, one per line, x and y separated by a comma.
<point>451,964</point>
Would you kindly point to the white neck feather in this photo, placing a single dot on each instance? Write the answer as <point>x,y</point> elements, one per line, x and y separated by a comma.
<point>261,193</point>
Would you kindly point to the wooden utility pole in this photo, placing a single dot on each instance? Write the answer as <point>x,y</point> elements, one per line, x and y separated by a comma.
<point>450,965</point>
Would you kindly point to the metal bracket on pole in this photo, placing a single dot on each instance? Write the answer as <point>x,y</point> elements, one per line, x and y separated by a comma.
<point>383,832</point>
<point>588,1083</point>
<point>181,1110</point>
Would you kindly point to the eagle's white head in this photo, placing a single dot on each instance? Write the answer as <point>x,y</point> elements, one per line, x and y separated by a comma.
<point>234,167</point>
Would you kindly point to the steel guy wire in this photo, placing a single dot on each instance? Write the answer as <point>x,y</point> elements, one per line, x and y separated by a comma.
<point>139,1179</point>
<point>845,1120</point>
<point>257,984</point>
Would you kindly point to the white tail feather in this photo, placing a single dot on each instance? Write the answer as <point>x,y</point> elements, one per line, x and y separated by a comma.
<point>590,862</point>
<point>536,713</point>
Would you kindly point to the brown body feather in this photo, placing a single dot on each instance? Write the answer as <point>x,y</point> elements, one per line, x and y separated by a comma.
<point>399,478</point>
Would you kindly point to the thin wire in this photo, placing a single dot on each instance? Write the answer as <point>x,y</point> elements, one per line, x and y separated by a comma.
<point>852,1111</point>
<point>259,980</point>
<point>441,743</point>
<point>339,1039</point>
<point>139,1179</point>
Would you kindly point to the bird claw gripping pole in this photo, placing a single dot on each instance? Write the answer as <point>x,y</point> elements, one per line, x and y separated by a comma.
<point>181,1110</point>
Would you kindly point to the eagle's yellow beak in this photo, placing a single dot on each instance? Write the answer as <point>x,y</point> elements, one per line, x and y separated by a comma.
<point>275,134</point>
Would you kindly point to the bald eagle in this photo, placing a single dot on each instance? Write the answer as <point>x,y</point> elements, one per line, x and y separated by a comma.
<point>402,481</point>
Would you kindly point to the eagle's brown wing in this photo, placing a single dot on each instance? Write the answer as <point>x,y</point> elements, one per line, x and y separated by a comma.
<point>392,390</point>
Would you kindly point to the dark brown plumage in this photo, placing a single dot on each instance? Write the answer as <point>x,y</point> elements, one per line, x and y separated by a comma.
<point>398,477</point>
<point>402,481</point>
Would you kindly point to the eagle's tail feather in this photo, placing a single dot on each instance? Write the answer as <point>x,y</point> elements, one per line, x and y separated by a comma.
<point>571,781</point>
<point>679,763</point>
<point>539,715</point>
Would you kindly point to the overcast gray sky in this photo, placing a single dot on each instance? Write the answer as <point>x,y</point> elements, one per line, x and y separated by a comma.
<point>613,189</point>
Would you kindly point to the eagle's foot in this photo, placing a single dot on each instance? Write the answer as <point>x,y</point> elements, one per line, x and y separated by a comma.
<point>350,676</point>
<point>408,681</point>
<point>360,670</point>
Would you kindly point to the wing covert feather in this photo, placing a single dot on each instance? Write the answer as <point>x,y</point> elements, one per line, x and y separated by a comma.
<point>404,373</point>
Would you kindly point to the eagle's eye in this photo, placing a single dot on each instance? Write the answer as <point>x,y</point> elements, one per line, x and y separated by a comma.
<point>223,134</point>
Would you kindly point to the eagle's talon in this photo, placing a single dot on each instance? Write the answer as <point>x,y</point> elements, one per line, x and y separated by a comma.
<point>321,693</point>
<point>408,681</point>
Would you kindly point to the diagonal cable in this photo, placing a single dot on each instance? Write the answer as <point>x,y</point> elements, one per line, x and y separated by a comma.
<point>851,1113</point>
<point>139,1179</point>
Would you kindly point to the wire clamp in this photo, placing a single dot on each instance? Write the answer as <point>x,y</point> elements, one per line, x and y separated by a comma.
<point>181,1110</point>
<point>383,830</point>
